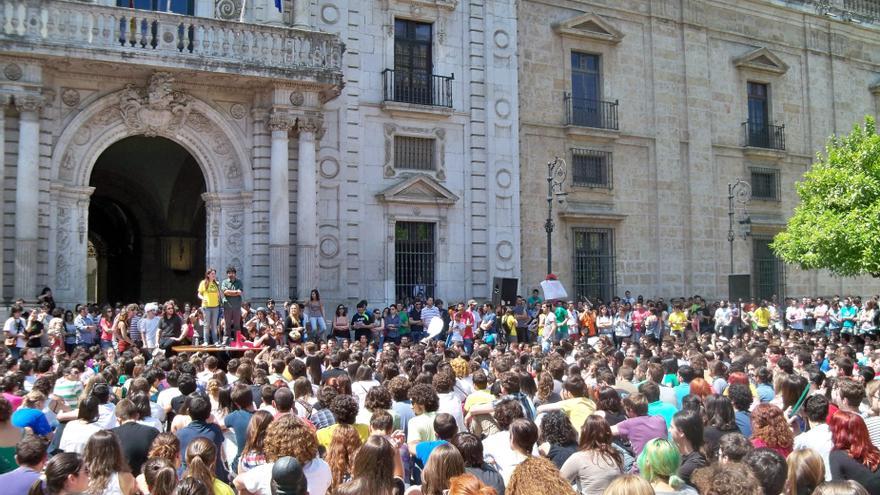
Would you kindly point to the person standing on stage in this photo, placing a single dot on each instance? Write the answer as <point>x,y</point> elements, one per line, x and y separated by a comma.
<point>209,294</point>
<point>232,289</point>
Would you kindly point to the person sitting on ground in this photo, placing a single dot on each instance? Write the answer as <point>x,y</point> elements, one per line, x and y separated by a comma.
<point>445,427</point>
<point>30,454</point>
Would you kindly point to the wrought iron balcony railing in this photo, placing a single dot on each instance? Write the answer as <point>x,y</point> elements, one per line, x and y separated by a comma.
<point>760,135</point>
<point>418,87</point>
<point>590,113</point>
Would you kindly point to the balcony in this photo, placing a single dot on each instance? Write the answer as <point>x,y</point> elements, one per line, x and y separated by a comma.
<point>585,112</point>
<point>845,10</point>
<point>763,136</point>
<point>416,92</point>
<point>86,31</point>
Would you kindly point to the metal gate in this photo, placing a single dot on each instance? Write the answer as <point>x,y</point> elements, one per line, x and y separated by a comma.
<point>414,260</point>
<point>768,271</point>
<point>594,263</point>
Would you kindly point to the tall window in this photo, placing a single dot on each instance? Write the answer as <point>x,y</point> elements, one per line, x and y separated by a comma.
<point>414,258</point>
<point>185,7</point>
<point>586,89</point>
<point>414,153</point>
<point>591,168</point>
<point>768,270</point>
<point>594,263</point>
<point>412,62</point>
<point>759,114</point>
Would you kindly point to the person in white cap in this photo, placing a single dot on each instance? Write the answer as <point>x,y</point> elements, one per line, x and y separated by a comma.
<point>149,326</point>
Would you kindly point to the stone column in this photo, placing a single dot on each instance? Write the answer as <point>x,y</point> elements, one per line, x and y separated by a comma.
<point>27,196</point>
<point>4,101</point>
<point>68,246</point>
<point>301,13</point>
<point>306,207</point>
<point>279,208</point>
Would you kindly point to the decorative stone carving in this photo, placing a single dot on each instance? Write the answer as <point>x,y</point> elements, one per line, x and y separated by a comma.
<point>237,111</point>
<point>437,133</point>
<point>329,246</point>
<point>328,167</point>
<point>82,136</point>
<point>70,97</point>
<point>329,14</point>
<point>504,250</point>
<point>501,38</point>
<point>311,123</point>
<point>156,109</point>
<point>12,72</point>
<point>279,121</point>
<point>297,98</point>
<point>198,121</point>
<point>28,103</point>
<point>62,246</point>
<point>227,9</point>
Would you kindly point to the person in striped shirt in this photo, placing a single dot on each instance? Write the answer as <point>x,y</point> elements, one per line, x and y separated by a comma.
<point>69,387</point>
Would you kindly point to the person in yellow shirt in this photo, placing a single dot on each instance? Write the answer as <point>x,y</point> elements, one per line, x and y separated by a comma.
<point>209,293</point>
<point>509,323</point>
<point>575,403</point>
<point>480,424</point>
<point>761,317</point>
<point>678,320</point>
<point>344,409</point>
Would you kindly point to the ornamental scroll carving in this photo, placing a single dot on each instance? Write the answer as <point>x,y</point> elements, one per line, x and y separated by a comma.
<point>156,109</point>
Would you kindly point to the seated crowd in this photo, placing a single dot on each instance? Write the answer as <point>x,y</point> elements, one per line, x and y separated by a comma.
<point>756,409</point>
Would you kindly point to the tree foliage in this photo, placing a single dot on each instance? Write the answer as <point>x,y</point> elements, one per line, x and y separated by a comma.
<point>837,224</point>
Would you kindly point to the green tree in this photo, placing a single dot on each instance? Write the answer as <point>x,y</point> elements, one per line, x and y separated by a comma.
<point>837,224</point>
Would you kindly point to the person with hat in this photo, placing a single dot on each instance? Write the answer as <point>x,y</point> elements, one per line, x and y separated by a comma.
<point>231,288</point>
<point>288,477</point>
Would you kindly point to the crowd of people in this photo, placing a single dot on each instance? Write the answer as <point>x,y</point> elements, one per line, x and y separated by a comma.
<point>628,396</point>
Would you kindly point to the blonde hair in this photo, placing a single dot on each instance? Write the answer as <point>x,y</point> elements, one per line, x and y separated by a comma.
<point>629,484</point>
<point>201,456</point>
<point>537,476</point>
<point>805,469</point>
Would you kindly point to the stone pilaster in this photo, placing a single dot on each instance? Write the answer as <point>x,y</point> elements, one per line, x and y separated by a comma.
<point>279,210</point>
<point>306,206</point>
<point>27,195</point>
<point>68,244</point>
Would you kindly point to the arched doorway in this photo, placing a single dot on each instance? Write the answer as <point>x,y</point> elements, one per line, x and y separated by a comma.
<point>146,222</point>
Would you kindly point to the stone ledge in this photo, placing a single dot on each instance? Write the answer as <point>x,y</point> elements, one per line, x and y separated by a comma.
<point>766,153</point>
<point>599,134</point>
<point>400,109</point>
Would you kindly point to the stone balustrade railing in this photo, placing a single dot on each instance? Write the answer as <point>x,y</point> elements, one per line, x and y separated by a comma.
<point>88,31</point>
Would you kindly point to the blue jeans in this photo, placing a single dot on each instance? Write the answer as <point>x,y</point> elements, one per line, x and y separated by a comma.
<point>318,328</point>
<point>212,315</point>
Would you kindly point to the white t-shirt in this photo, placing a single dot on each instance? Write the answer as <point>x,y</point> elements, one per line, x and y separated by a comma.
<point>16,328</point>
<point>166,396</point>
<point>76,434</point>
<point>258,480</point>
<point>107,416</point>
<point>451,404</point>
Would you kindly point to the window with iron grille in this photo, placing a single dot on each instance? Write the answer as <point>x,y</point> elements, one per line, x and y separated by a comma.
<point>414,153</point>
<point>768,271</point>
<point>591,168</point>
<point>414,258</point>
<point>594,263</point>
<point>765,183</point>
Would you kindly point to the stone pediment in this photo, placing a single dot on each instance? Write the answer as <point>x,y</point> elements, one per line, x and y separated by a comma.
<point>418,189</point>
<point>589,26</point>
<point>761,59</point>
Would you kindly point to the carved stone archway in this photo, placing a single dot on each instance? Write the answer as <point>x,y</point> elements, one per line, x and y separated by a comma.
<point>156,109</point>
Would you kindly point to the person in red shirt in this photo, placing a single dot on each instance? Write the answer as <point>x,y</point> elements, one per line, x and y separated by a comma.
<point>467,319</point>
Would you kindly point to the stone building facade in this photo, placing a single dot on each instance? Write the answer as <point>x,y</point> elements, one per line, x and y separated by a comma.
<point>308,148</point>
<point>658,106</point>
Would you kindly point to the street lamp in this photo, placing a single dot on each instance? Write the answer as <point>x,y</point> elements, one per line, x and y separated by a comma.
<point>556,172</point>
<point>740,192</point>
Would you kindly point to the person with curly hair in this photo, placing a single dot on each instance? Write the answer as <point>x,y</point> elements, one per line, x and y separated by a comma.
<point>537,476</point>
<point>558,438</point>
<point>378,399</point>
<point>853,457</point>
<point>287,436</point>
<point>421,427</point>
<point>770,429</point>
<point>165,446</point>
<point>468,484</point>
<point>597,462</point>
<point>733,478</point>
<point>341,453</point>
<point>345,410</point>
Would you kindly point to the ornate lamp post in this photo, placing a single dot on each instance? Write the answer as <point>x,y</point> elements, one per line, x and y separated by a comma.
<point>556,173</point>
<point>739,192</point>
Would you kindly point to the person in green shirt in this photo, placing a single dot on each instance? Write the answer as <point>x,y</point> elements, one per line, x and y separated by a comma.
<point>533,302</point>
<point>403,330</point>
<point>561,319</point>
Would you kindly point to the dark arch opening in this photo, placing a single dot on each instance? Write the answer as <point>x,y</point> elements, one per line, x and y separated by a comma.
<point>147,221</point>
